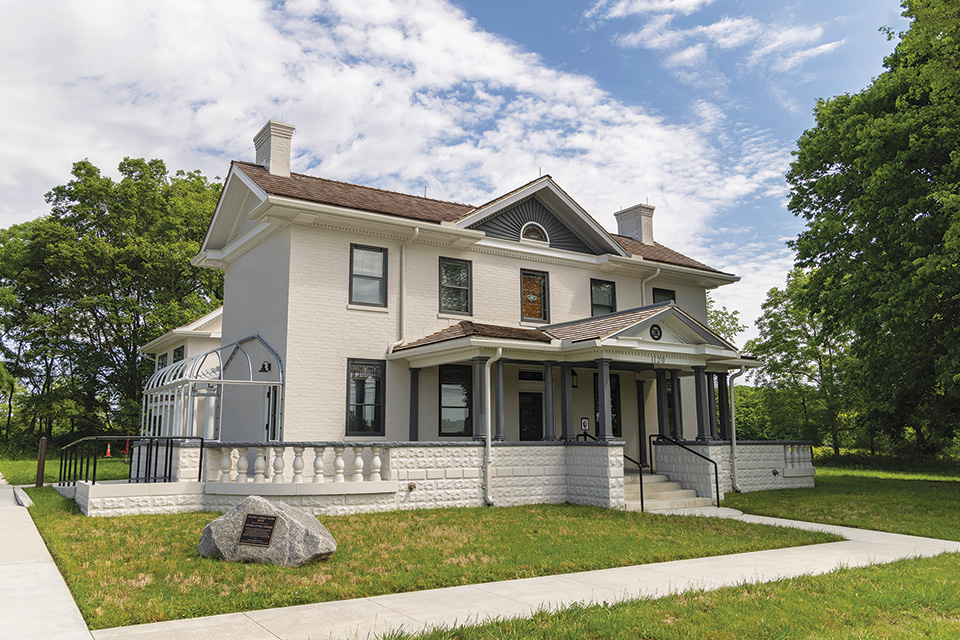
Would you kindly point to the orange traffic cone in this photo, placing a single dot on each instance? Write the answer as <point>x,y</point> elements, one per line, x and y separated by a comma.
<point>108,449</point>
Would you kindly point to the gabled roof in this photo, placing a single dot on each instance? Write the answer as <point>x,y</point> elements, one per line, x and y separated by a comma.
<point>466,328</point>
<point>656,252</point>
<point>206,326</point>
<point>598,327</point>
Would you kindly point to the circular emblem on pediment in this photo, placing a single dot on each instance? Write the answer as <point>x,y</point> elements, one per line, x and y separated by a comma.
<point>656,332</point>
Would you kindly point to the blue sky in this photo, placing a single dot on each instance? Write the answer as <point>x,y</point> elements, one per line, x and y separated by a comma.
<point>691,105</point>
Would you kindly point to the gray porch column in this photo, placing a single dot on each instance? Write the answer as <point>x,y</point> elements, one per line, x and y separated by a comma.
<point>724,405</point>
<point>712,404</point>
<point>498,402</point>
<point>549,428</point>
<point>677,405</point>
<point>566,401</point>
<point>479,396</point>
<point>703,424</point>
<point>604,426</point>
<point>663,411</point>
<point>641,423</point>
<point>414,405</point>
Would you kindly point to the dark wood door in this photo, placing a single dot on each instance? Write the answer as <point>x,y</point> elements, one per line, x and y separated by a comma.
<point>531,416</point>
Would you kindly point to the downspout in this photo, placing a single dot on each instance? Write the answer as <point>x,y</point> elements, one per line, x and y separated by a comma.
<point>643,285</point>
<point>733,432</point>
<point>403,288</point>
<point>487,422</point>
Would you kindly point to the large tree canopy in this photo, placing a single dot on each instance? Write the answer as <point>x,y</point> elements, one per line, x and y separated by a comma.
<point>105,272</point>
<point>878,182</point>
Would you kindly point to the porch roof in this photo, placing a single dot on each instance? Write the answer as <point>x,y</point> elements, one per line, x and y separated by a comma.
<point>466,328</point>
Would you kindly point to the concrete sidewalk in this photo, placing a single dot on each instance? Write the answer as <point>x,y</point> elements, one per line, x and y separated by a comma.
<point>35,603</point>
<point>422,610</point>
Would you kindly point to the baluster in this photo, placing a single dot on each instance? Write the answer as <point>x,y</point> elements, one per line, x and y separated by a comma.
<point>375,464</point>
<point>259,464</point>
<point>357,464</point>
<point>807,456</point>
<point>212,459</point>
<point>298,464</point>
<point>242,464</point>
<point>226,463</point>
<point>278,464</point>
<point>338,464</point>
<point>794,456</point>
<point>318,464</point>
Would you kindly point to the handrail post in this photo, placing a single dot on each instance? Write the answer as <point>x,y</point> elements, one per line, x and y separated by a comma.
<point>96,452</point>
<point>41,461</point>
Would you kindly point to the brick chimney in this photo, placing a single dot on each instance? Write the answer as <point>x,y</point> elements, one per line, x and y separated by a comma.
<point>636,222</point>
<point>273,147</point>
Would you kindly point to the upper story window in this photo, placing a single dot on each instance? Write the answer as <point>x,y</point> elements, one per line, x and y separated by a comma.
<point>455,399</point>
<point>603,297</point>
<point>533,231</point>
<point>664,295</point>
<point>178,354</point>
<point>534,296</point>
<point>455,286</point>
<point>161,361</point>
<point>368,275</point>
<point>365,393</point>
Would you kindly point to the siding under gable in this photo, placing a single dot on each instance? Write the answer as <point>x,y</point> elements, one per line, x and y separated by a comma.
<point>508,224</point>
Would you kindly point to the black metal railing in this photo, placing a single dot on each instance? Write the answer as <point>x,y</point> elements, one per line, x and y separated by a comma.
<point>716,473</point>
<point>78,460</point>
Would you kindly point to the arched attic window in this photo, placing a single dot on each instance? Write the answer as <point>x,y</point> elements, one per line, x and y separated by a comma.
<point>533,231</point>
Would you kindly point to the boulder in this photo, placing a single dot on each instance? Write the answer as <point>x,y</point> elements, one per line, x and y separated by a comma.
<point>257,530</point>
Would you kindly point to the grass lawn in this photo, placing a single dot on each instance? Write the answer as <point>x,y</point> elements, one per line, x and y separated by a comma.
<point>25,471</point>
<point>130,570</point>
<point>906,599</point>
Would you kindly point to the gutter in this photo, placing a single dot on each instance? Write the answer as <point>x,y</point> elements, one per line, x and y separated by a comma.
<point>643,284</point>
<point>733,432</point>
<point>487,422</point>
<point>403,288</point>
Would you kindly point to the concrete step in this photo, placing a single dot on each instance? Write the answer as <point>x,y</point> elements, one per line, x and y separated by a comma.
<point>662,505</point>
<point>657,487</point>
<point>676,494</point>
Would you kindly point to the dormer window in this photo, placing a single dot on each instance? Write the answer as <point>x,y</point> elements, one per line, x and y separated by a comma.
<point>533,231</point>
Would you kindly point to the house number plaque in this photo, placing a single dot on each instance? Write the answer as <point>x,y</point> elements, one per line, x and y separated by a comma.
<point>257,530</point>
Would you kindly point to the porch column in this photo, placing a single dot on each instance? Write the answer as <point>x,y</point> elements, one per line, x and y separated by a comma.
<point>703,425</point>
<point>414,404</point>
<point>479,396</point>
<point>712,406</point>
<point>603,399</point>
<point>549,428</point>
<point>498,402</point>
<point>677,405</point>
<point>566,401</point>
<point>724,405</point>
<point>663,411</point>
<point>641,422</point>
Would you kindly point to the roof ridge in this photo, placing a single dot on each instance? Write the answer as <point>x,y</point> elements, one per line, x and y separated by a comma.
<point>364,186</point>
<point>613,314</point>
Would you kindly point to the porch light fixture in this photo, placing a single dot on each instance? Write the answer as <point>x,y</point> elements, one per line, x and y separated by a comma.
<point>265,367</point>
<point>574,378</point>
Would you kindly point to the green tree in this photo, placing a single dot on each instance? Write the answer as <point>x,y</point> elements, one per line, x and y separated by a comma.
<point>877,180</point>
<point>105,272</point>
<point>802,361</point>
<point>725,323</point>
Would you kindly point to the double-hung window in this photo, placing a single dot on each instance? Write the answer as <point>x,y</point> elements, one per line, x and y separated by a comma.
<point>368,275</point>
<point>178,354</point>
<point>455,400</point>
<point>534,296</point>
<point>455,286</point>
<point>603,297</point>
<point>664,295</point>
<point>365,393</point>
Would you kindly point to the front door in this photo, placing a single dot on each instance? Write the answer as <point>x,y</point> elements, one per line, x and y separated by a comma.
<point>531,416</point>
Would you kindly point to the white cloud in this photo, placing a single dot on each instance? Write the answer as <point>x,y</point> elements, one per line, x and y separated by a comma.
<point>622,8</point>
<point>799,57</point>
<point>694,56</point>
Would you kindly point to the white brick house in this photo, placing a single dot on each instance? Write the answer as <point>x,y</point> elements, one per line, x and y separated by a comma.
<point>384,319</point>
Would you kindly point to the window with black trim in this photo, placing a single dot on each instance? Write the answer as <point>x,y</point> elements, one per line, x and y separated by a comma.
<point>456,394</point>
<point>664,295</point>
<point>178,354</point>
<point>368,275</point>
<point>455,286</point>
<point>616,426</point>
<point>534,295</point>
<point>603,297</point>
<point>161,361</point>
<point>365,394</point>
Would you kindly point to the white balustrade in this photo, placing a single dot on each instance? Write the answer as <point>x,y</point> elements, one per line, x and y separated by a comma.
<point>231,464</point>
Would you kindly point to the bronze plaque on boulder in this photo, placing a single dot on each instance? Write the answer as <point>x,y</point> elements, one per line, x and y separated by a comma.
<point>257,529</point>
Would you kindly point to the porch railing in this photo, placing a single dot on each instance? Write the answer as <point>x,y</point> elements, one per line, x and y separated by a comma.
<point>231,462</point>
<point>660,438</point>
<point>78,460</point>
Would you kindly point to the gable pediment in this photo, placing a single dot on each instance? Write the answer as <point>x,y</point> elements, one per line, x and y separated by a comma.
<point>509,224</point>
<point>673,326</point>
<point>231,218</point>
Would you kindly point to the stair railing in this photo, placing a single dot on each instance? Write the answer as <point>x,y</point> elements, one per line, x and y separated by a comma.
<point>716,473</point>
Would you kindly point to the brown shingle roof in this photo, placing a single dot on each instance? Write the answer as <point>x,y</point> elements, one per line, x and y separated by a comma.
<point>659,253</point>
<point>343,194</point>
<point>602,326</point>
<point>466,328</point>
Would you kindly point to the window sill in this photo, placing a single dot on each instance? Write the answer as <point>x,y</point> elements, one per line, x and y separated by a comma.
<point>363,307</point>
<point>450,315</point>
<point>534,323</point>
